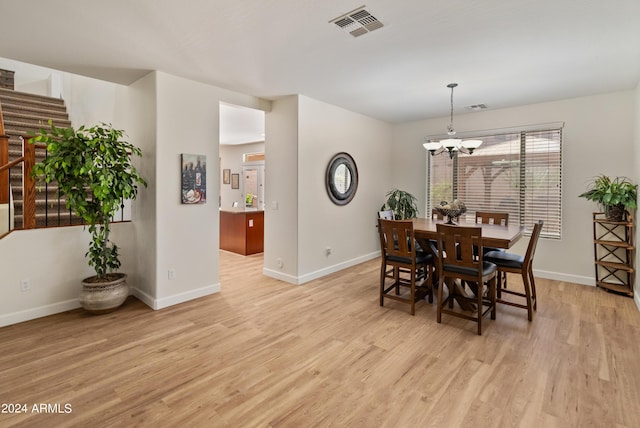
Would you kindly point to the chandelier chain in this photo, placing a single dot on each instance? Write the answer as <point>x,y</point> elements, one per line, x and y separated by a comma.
<point>451,131</point>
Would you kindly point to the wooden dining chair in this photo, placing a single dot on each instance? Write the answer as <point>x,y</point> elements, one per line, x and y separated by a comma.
<point>489,217</point>
<point>386,214</point>
<point>457,261</point>
<point>398,248</point>
<point>522,265</point>
<point>436,215</point>
<point>493,217</point>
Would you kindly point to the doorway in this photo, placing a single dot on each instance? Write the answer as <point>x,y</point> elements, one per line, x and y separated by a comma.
<point>253,186</point>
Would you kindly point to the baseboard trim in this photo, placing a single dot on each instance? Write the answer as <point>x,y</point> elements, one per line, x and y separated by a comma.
<point>39,312</point>
<point>576,279</point>
<point>175,299</point>
<point>280,276</point>
<point>298,280</point>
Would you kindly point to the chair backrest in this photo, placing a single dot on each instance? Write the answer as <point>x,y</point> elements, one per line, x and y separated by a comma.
<point>436,215</point>
<point>397,238</point>
<point>489,217</point>
<point>387,215</point>
<point>533,243</point>
<point>456,245</point>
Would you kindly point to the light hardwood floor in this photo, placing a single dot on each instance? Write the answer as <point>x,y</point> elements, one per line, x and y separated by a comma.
<point>265,353</point>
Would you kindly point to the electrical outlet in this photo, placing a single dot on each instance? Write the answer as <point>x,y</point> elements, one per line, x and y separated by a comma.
<point>25,285</point>
<point>328,251</point>
<point>171,273</point>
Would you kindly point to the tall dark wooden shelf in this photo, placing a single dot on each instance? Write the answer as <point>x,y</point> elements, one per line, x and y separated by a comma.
<point>614,253</point>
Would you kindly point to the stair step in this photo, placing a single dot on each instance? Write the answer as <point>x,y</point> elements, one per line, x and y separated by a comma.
<point>28,116</point>
<point>16,127</point>
<point>10,94</point>
<point>50,111</point>
<point>24,115</point>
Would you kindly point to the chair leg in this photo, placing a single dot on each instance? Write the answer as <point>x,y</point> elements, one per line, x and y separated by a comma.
<point>413,292</point>
<point>534,297</point>
<point>492,296</point>
<point>527,292</point>
<point>451,288</point>
<point>480,309</point>
<point>499,286</point>
<point>383,275</point>
<point>396,278</point>
<point>430,282</point>
<point>439,309</point>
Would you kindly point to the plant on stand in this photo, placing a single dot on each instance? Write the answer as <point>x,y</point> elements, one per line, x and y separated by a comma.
<point>613,195</point>
<point>402,203</point>
<point>93,169</point>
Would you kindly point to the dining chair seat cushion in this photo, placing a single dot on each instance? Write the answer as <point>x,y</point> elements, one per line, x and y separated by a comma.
<point>421,258</point>
<point>505,259</point>
<point>487,269</point>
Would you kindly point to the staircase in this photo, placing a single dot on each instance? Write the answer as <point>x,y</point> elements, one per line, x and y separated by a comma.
<point>24,114</point>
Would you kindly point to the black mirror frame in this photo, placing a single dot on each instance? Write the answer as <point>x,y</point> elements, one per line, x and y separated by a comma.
<point>337,197</point>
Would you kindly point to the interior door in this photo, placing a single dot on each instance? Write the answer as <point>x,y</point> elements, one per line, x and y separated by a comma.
<point>253,186</point>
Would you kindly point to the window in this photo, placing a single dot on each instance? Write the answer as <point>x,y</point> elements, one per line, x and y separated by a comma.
<point>519,172</point>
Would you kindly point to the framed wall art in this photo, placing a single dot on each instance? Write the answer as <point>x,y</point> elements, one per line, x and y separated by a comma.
<point>235,181</point>
<point>194,179</point>
<point>226,174</point>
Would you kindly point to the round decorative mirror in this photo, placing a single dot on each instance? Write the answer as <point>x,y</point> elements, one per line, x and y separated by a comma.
<point>341,179</point>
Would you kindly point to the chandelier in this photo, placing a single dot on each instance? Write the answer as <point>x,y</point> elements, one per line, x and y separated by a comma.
<point>451,145</point>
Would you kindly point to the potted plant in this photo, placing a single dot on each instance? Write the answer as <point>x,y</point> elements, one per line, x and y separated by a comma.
<point>402,203</point>
<point>613,195</point>
<point>93,169</point>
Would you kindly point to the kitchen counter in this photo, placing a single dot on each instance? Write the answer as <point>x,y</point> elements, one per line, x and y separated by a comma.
<point>242,230</point>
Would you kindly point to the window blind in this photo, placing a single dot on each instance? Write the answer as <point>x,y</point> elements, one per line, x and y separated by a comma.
<point>515,172</point>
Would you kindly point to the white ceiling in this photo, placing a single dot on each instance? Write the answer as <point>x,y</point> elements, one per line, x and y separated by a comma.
<point>502,53</point>
<point>240,125</point>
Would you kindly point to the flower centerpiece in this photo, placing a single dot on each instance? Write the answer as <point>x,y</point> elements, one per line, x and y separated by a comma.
<point>451,209</point>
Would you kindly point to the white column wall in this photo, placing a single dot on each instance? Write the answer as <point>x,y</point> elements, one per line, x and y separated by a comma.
<point>597,139</point>
<point>636,179</point>
<point>348,230</point>
<point>188,235</point>
<point>281,190</point>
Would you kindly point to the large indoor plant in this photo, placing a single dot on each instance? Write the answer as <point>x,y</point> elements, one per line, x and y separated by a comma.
<point>93,169</point>
<point>402,203</point>
<point>614,195</point>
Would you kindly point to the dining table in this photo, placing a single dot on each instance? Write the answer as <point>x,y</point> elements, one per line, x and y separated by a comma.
<point>493,235</point>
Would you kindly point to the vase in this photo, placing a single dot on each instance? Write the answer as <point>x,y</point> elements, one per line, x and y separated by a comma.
<point>614,212</point>
<point>104,296</point>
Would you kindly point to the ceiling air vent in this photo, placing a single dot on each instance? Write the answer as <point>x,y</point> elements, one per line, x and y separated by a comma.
<point>357,22</point>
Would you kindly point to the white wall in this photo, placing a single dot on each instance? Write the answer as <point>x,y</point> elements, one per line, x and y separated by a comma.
<point>302,136</point>
<point>188,235</point>
<point>349,230</point>
<point>636,179</point>
<point>597,138</point>
<point>140,118</point>
<point>29,78</point>
<point>165,116</point>
<point>231,156</point>
<point>53,259</point>
<point>281,190</point>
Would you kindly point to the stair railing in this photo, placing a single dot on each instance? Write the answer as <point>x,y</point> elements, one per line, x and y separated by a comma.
<point>4,159</point>
<point>28,159</point>
<point>25,163</point>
